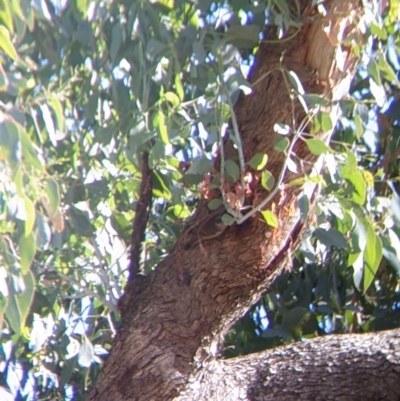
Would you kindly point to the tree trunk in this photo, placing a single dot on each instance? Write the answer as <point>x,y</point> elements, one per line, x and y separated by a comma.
<point>341,368</point>
<point>174,319</point>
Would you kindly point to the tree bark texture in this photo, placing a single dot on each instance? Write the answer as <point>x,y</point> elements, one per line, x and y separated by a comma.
<point>174,319</point>
<point>341,368</point>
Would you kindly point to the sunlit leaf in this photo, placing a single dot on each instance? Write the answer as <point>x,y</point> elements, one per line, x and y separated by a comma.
<point>267,180</point>
<point>29,151</point>
<point>359,126</point>
<point>172,98</point>
<point>179,87</point>
<point>160,124</point>
<point>295,81</point>
<point>317,146</point>
<point>258,161</point>
<point>30,215</point>
<point>86,353</point>
<point>325,121</point>
<point>372,257</point>
<point>270,218</point>
<point>6,44</point>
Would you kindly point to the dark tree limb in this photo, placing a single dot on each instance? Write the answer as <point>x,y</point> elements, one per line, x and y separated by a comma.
<point>141,216</point>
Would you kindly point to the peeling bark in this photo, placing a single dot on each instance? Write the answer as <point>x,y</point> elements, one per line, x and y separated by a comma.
<point>174,319</point>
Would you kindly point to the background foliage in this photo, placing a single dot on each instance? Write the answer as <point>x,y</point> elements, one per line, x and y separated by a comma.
<point>85,87</point>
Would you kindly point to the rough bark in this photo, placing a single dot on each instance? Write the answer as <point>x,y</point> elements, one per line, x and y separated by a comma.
<point>174,319</point>
<point>341,368</point>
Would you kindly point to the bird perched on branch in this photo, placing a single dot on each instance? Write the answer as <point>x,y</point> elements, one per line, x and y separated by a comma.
<point>211,228</point>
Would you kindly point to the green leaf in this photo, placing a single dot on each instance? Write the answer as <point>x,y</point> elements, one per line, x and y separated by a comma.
<point>360,188</point>
<point>81,222</point>
<point>199,166</point>
<point>116,40</point>
<point>27,250</point>
<point>19,303</point>
<point>304,206</point>
<point>181,211</point>
<point>331,237</point>
<point>6,44</point>
<point>356,178</point>
<point>172,98</point>
<point>373,71</point>
<point>160,125</point>
<point>68,368</point>
<point>386,68</point>
<point>214,204</point>
<point>378,31</point>
<point>250,32</point>
<point>154,49</point>
<point>86,353</point>
<point>13,314</point>
<point>160,185</point>
<point>258,161</point>
<point>232,169</point>
<point>317,146</point>
<point>372,257</point>
<point>154,18</point>
<point>281,144</point>
<point>270,218</point>
<point>5,15</point>
<point>59,113</point>
<point>267,180</point>
<point>25,299</point>
<point>30,215</point>
<point>179,88</point>
<point>18,180</point>
<point>227,219</point>
<point>199,52</point>
<point>10,146</point>
<point>157,154</point>
<point>325,121</point>
<point>28,150</point>
<point>82,6</point>
<point>53,196</point>
<point>359,126</point>
<point>296,83</point>
<point>315,100</point>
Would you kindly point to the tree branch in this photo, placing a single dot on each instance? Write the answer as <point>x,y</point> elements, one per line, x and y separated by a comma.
<point>337,367</point>
<point>141,216</point>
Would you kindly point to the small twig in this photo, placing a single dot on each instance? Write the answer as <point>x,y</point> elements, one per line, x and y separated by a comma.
<point>260,206</point>
<point>141,216</point>
<point>228,208</point>
<point>239,146</point>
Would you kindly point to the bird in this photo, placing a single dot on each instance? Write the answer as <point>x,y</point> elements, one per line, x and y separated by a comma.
<point>209,229</point>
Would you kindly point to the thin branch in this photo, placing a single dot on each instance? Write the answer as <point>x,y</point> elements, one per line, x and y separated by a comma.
<point>238,144</point>
<point>141,216</point>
